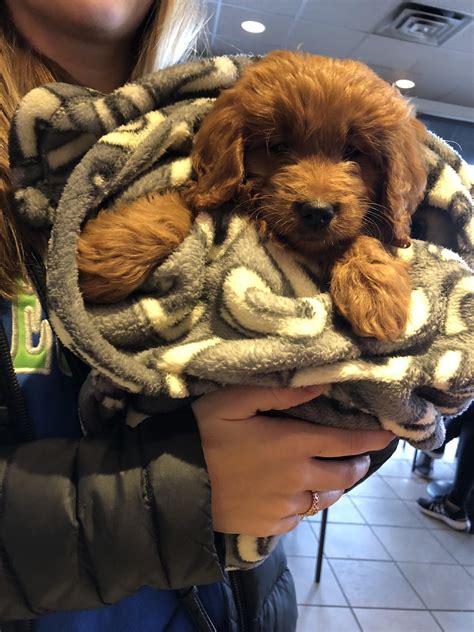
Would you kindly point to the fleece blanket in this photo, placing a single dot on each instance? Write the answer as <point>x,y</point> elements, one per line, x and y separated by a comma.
<point>227,307</point>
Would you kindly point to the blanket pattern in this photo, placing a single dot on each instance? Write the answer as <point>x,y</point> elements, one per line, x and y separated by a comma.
<point>227,307</point>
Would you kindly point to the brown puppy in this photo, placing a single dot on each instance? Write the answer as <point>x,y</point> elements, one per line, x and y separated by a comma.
<point>322,153</point>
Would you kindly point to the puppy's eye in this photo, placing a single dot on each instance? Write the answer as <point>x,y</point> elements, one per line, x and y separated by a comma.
<point>279,148</point>
<point>351,153</point>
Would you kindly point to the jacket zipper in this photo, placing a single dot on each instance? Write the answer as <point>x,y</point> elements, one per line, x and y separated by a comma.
<point>18,417</point>
<point>235,587</point>
<point>13,394</point>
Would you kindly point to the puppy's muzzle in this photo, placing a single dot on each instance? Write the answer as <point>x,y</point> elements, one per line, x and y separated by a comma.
<point>315,215</point>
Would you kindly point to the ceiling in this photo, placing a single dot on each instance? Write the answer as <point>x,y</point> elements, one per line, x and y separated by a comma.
<point>344,28</point>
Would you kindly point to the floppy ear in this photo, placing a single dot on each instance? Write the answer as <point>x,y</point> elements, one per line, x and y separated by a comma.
<point>218,154</point>
<point>405,181</point>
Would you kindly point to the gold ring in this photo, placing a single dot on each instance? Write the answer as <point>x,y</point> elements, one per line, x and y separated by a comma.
<point>313,510</point>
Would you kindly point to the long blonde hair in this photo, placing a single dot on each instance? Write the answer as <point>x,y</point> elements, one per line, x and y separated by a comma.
<point>168,35</point>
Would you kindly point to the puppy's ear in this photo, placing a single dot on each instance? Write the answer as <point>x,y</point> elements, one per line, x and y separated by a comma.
<point>405,181</point>
<point>218,154</point>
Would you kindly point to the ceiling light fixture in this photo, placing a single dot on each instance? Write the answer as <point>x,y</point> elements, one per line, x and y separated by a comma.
<point>405,84</point>
<point>253,27</point>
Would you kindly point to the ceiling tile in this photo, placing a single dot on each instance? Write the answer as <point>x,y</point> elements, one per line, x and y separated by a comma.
<point>445,62</point>
<point>389,74</point>
<point>462,95</point>
<point>464,6</point>
<point>429,86</point>
<point>362,15</point>
<point>463,41</point>
<point>283,7</point>
<point>324,39</point>
<point>387,52</point>
<point>229,31</point>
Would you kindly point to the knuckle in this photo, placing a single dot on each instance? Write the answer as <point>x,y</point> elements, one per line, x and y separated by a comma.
<point>299,479</point>
<point>357,442</point>
<point>282,398</point>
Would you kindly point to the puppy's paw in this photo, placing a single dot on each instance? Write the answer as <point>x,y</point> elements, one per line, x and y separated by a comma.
<point>371,289</point>
<point>118,248</point>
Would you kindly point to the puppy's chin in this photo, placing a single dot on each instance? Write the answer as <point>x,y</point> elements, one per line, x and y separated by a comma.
<point>323,245</point>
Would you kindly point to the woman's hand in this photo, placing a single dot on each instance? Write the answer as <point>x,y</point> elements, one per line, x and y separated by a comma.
<point>262,469</point>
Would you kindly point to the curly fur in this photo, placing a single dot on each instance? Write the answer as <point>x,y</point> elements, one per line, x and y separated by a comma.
<point>295,128</point>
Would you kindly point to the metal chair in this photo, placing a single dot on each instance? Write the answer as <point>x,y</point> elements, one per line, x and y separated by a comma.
<point>322,536</point>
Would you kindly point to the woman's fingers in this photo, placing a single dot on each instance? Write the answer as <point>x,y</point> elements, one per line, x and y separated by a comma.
<point>327,442</point>
<point>302,503</point>
<point>324,475</point>
<point>261,467</point>
<point>247,401</point>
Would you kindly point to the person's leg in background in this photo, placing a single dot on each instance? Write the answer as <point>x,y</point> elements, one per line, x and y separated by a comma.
<point>451,508</point>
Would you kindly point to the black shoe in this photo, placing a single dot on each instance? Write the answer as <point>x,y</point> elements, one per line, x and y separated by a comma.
<point>424,466</point>
<point>442,509</point>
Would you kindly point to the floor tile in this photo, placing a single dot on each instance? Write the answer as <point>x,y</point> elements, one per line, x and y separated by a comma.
<point>374,584</point>
<point>320,618</point>
<point>376,620</point>
<point>460,545</point>
<point>344,510</point>
<point>353,541</point>
<point>413,545</point>
<point>404,451</point>
<point>395,467</point>
<point>385,511</point>
<point>455,621</point>
<point>301,541</point>
<point>327,593</point>
<point>441,586</point>
<point>373,487</point>
<point>407,488</point>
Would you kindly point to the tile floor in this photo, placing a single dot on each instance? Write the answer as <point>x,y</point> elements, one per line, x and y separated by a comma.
<point>387,567</point>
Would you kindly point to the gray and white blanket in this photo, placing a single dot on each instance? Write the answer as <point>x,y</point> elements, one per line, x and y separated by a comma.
<point>227,308</point>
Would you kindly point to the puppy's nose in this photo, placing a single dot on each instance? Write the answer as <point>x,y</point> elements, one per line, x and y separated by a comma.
<point>315,214</point>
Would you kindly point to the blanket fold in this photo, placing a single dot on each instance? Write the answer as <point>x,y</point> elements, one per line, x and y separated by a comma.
<point>230,308</point>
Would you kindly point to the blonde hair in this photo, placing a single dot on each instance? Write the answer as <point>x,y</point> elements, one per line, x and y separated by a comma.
<point>169,35</point>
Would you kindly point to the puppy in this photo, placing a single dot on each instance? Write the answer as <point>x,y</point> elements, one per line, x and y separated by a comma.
<point>323,154</point>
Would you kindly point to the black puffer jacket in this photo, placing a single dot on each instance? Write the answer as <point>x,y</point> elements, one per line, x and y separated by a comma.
<point>99,552</point>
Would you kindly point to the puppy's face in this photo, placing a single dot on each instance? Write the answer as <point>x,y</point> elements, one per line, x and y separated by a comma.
<point>321,149</point>
<point>311,191</point>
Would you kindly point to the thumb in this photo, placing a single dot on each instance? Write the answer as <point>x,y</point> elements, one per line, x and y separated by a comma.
<point>247,401</point>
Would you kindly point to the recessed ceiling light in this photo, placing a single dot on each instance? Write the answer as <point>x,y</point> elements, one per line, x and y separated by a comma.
<point>405,84</point>
<point>253,27</point>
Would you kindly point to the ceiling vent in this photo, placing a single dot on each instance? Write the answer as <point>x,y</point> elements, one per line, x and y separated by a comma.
<point>422,24</point>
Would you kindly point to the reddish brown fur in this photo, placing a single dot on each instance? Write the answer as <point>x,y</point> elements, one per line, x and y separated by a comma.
<point>320,109</point>
<point>119,248</point>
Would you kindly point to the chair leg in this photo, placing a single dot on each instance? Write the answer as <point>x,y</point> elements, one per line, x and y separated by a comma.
<point>413,465</point>
<point>322,536</point>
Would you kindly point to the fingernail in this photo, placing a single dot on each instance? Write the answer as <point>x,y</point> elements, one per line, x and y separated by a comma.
<point>366,461</point>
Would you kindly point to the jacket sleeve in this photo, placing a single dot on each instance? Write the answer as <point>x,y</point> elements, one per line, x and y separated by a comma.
<point>84,523</point>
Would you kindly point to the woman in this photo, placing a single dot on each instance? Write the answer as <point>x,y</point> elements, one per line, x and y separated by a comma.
<point>126,520</point>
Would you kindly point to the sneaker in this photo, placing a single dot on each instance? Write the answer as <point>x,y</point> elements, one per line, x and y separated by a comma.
<point>424,466</point>
<point>442,509</point>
